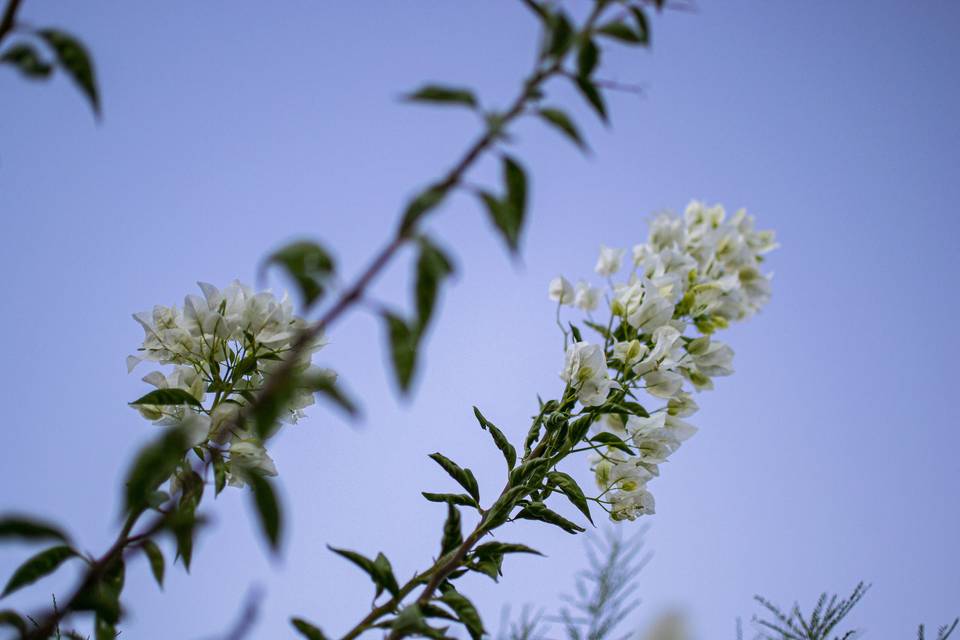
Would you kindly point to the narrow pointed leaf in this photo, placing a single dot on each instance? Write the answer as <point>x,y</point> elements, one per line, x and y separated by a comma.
<point>592,95</point>
<point>268,508</point>
<point>157,564</point>
<point>403,349</point>
<point>562,123</point>
<point>23,528</point>
<point>307,630</point>
<point>465,611</point>
<point>464,476</point>
<point>444,95</point>
<point>455,498</point>
<point>166,397</point>
<point>452,533</point>
<point>27,61</point>
<point>572,490</point>
<point>38,566</point>
<point>433,266</point>
<point>509,452</point>
<point>538,511</point>
<point>308,264</point>
<point>73,57</point>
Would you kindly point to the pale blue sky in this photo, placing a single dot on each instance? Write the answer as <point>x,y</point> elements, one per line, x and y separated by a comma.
<point>831,456</point>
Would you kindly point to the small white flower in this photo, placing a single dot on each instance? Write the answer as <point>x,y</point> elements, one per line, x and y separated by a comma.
<point>561,291</point>
<point>609,261</point>
<point>585,369</point>
<point>586,297</point>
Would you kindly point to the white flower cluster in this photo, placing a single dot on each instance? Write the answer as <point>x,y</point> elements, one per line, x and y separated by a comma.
<point>694,275</point>
<point>223,345</point>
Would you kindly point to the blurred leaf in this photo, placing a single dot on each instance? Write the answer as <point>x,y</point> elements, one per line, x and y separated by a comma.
<point>621,31</point>
<point>307,630</point>
<point>439,94</point>
<point>592,95</point>
<point>102,595</point>
<point>508,214</point>
<point>562,123</point>
<point>420,206</point>
<point>325,383</point>
<point>11,618</point>
<point>403,349</point>
<point>267,507</point>
<point>464,476</point>
<point>153,465</point>
<point>572,490</point>
<point>385,574</point>
<point>465,611</point>
<point>643,27</point>
<point>104,629</point>
<point>509,453</point>
<point>561,35</point>
<point>38,566</point>
<point>27,61</point>
<point>432,267</point>
<point>23,528</point>
<point>587,59</point>
<point>73,58</point>
<point>157,564</point>
<point>539,511</point>
<point>452,533</point>
<point>166,397</point>
<point>308,264</point>
<point>219,474</point>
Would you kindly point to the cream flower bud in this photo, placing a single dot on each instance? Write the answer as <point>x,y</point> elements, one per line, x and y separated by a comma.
<point>609,261</point>
<point>561,291</point>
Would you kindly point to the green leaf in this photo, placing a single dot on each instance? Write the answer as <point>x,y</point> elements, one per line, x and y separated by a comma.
<point>27,61</point>
<point>157,564</point>
<point>410,622</point>
<point>308,264</point>
<point>621,31</point>
<point>166,397</point>
<point>307,630</point>
<point>102,595</point>
<point>539,511</point>
<point>561,35</point>
<point>461,499</point>
<point>562,123</point>
<point>219,474</point>
<point>612,440</point>
<point>439,94</point>
<point>529,472</point>
<point>498,513</point>
<point>267,507</point>
<point>516,180</point>
<point>104,629</point>
<point>575,331</point>
<point>403,349</point>
<point>592,95</point>
<point>385,574</point>
<point>452,533</point>
<point>183,521</point>
<point>572,490</point>
<point>38,566</point>
<point>465,611</point>
<point>422,204</point>
<point>379,570</point>
<point>509,453</point>
<point>152,466</point>
<point>325,383</point>
<point>500,548</point>
<point>508,214</point>
<point>11,618</point>
<point>643,27</point>
<point>464,476</point>
<point>432,267</point>
<point>23,528</point>
<point>587,58</point>
<point>73,58</point>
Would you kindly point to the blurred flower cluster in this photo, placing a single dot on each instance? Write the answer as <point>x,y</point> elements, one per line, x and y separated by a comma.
<point>695,275</point>
<point>222,347</point>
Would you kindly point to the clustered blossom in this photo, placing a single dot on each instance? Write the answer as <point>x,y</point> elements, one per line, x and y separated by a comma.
<point>222,347</point>
<point>695,275</point>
